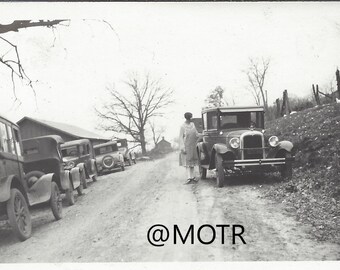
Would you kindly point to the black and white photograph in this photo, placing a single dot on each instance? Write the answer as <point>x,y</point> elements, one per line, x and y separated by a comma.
<point>191,132</point>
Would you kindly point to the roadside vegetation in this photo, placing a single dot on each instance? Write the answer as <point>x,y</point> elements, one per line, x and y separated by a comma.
<point>314,190</point>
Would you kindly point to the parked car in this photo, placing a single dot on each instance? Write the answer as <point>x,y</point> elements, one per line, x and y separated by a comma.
<point>80,153</point>
<point>123,149</point>
<point>43,156</point>
<point>18,190</point>
<point>234,141</point>
<point>108,157</point>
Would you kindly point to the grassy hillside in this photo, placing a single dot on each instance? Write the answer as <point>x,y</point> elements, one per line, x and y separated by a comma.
<point>314,190</point>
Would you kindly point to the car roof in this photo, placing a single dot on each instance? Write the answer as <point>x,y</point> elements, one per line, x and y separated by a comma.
<point>75,142</point>
<point>3,117</point>
<point>104,144</point>
<point>55,138</point>
<point>235,109</point>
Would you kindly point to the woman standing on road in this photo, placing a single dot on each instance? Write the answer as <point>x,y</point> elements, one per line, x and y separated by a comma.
<point>187,142</point>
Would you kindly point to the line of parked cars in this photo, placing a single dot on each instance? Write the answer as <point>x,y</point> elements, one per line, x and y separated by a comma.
<point>45,170</point>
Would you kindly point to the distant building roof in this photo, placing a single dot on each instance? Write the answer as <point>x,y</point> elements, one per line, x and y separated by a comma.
<point>65,128</point>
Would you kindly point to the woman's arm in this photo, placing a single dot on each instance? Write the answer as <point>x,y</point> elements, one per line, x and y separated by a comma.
<point>181,138</point>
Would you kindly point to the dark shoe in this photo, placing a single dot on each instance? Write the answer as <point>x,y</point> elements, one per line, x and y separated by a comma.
<point>189,181</point>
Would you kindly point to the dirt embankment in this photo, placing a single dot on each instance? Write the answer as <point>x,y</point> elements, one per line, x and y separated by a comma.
<point>314,191</point>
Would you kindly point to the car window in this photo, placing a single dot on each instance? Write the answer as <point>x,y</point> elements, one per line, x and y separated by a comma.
<point>212,120</point>
<point>241,120</point>
<point>82,150</point>
<point>17,142</point>
<point>205,121</point>
<point>10,140</point>
<point>106,149</point>
<point>3,138</point>
<point>71,151</point>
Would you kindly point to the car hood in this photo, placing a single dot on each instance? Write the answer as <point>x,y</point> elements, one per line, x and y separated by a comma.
<point>66,159</point>
<point>239,132</point>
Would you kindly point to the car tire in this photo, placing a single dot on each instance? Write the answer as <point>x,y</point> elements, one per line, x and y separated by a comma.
<point>56,201</point>
<point>19,215</point>
<point>203,172</point>
<point>220,175</point>
<point>70,195</point>
<point>80,188</point>
<point>287,169</point>
<point>84,179</point>
<point>94,177</point>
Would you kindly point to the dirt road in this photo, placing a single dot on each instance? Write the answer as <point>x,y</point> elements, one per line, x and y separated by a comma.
<point>110,222</point>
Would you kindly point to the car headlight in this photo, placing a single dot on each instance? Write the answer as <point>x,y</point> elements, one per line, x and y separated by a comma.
<point>273,141</point>
<point>234,142</point>
<point>69,165</point>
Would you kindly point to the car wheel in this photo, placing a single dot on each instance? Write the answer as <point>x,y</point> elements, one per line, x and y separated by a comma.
<point>80,188</point>
<point>203,172</point>
<point>56,201</point>
<point>84,179</point>
<point>94,177</point>
<point>287,169</point>
<point>220,174</point>
<point>19,215</point>
<point>70,195</point>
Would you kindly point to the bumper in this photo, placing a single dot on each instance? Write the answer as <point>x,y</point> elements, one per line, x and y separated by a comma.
<point>258,162</point>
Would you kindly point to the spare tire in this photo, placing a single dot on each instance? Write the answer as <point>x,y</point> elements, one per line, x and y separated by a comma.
<point>32,177</point>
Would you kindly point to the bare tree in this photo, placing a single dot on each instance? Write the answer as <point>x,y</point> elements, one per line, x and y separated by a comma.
<point>13,64</point>
<point>130,112</point>
<point>256,74</point>
<point>156,132</point>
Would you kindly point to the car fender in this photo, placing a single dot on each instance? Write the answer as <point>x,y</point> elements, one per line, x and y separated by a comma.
<point>202,152</point>
<point>83,169</point>
<point>75,177</point>
<point>219,149</point>
<point>93,165</point>
<point>81,166</point>
<point>5,187</point>
<point>41,190</point>
<point>65,180</point>
<point>283,145</point>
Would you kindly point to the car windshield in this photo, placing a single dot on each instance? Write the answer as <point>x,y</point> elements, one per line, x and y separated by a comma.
<point>241,120</point>
<point>106,149</point>
<point>71,151</point>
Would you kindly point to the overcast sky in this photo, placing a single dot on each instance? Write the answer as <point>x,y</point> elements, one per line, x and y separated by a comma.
<point>192,47</point>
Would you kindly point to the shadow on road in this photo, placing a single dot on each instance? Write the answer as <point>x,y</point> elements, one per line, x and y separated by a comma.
<point>250,180</point>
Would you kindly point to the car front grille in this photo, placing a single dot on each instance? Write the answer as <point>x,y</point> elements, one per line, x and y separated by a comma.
<point>252,145</point>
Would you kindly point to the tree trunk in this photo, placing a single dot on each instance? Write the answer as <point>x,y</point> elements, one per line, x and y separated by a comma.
<point>143,143</point>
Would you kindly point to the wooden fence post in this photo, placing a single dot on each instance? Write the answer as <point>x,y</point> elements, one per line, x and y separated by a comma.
<point>278,107</point>
<point>337,75</point>
<point>285,109</point>
<point>316,94</point>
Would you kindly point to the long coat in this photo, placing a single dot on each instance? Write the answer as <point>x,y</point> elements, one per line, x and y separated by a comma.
<point>188,136</point>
